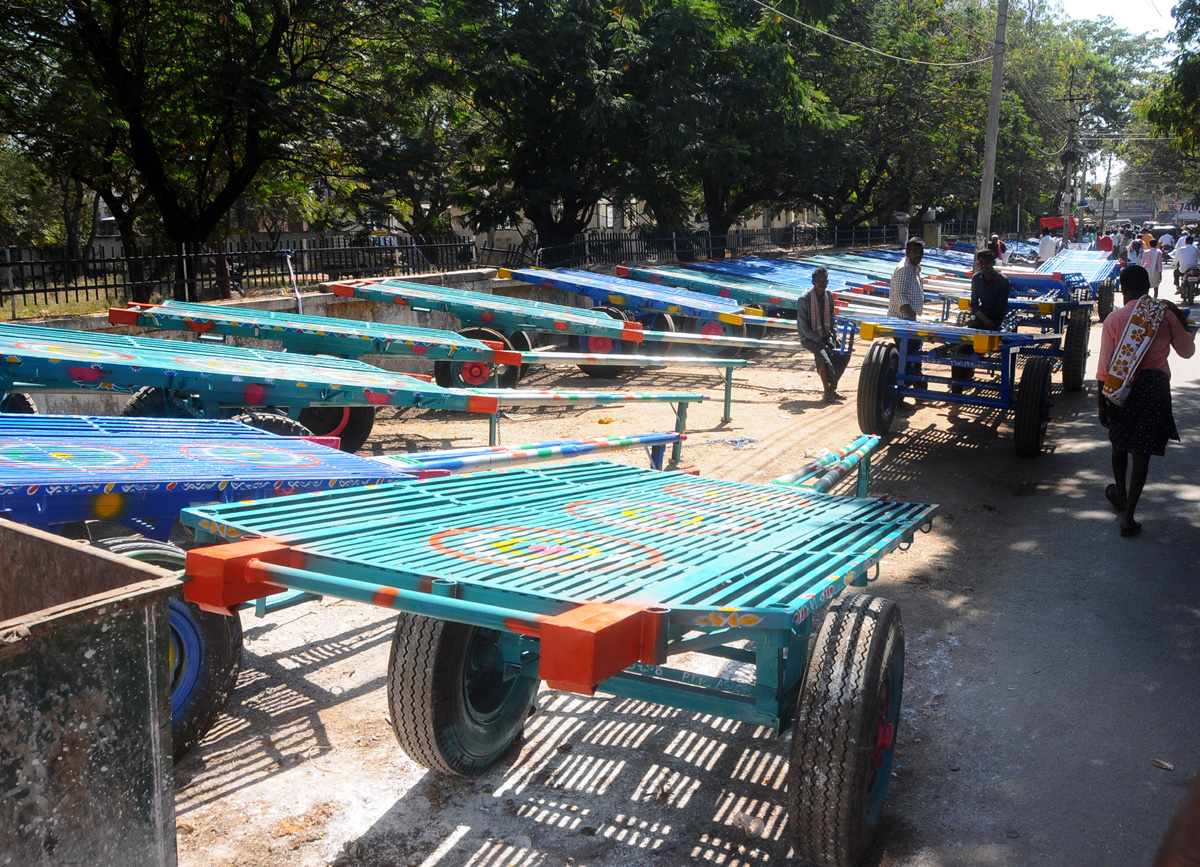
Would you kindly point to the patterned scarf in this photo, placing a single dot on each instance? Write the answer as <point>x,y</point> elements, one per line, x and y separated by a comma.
<point>1139,333</point>
<point>821,312</point>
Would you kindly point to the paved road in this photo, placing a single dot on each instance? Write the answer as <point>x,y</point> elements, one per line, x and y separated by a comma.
<point>1051,662</point>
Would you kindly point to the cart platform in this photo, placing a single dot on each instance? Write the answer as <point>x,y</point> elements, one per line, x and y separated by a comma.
<point>60,469</point>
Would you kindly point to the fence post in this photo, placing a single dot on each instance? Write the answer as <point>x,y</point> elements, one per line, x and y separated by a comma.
<point>12,294</point>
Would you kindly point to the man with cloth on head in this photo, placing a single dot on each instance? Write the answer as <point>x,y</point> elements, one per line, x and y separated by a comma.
<point>1135,386</point>
<point>814,322</point>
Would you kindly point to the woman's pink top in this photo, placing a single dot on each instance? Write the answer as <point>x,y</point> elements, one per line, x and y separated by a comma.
<point>1171,335</point>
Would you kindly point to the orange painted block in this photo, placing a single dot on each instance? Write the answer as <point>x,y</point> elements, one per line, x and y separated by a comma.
<point>585,646</point>
<point>122,316</point>
<point>218,574</point>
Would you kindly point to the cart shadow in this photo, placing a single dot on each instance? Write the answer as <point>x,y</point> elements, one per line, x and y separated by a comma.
<point>281,694</point>
<point>647,779</point>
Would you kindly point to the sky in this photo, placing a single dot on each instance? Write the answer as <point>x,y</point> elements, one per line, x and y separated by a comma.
<point>1139,16</point>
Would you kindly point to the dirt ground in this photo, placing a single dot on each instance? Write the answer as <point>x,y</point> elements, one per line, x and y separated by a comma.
<point>1050,704</point>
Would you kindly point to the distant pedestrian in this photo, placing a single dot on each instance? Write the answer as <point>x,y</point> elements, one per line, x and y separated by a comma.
<point>814,322</point>
<point>1046,246</point>
<point>1152,261</point>
<point>990,291</point>
<point>1134,253</point>
<point>1135,387</point>
<point>996,246</point>
<point>906,296</point>
<point>1105,242</point>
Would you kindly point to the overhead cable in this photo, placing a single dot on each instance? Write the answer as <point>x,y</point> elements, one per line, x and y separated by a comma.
<point>821,32</point>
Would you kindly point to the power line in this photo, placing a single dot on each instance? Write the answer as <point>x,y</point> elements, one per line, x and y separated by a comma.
<point>821,32</point>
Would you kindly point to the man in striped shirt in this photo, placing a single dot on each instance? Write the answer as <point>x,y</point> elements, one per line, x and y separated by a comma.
<point>907,297</point>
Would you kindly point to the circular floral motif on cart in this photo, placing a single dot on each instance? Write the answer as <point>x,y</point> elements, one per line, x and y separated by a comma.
<point>544,548</point>
<point>68,457</point>
<point>662,517</point>
<point>244,455</point>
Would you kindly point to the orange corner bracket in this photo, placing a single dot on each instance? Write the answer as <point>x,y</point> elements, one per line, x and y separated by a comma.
<point>585,646</point>
<point>217,574</point>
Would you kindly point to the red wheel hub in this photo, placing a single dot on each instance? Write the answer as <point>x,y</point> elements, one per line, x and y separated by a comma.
<point>885,732</point>
<point>475,372</point>
<point>712,329</point>
<point>600,345</point>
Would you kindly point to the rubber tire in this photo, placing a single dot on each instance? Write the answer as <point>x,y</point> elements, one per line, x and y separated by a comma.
<point>876,407</point>
<point>18,403</point>
<point>428,702</point>
<point>151,402</point>
<point>208,673</point>
<point>1104,299</point>
<point>597,371</point>
<point>356,423</point>
<point>835,787</point>
<point>274,422</point>
<point>445,373</point>
<point>522,341</point>
<point>1075,350</point>
<point>664,322</point>
<point>1033,407</point>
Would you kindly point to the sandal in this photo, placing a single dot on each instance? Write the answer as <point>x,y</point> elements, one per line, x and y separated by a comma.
<point>1110,494</point>
<point>1131,531</point>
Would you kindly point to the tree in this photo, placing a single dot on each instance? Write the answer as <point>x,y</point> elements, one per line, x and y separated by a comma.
<point>195,97</point>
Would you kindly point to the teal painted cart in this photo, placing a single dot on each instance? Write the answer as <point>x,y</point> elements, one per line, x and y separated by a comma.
<point>593,577</point>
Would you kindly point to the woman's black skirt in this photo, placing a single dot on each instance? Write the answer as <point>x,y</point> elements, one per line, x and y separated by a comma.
<point>1145,423</point>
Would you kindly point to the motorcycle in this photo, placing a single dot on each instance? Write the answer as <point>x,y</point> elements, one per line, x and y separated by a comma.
<point>1189,286</point>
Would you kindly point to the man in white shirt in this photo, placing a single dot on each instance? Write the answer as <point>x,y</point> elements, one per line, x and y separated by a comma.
<point>1187,257</point>
<point>1166,242</point>
<point>1046,246</point>
<point>1152,261</point>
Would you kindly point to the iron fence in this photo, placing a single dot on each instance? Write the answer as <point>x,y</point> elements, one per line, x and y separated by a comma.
<point>40,281</point>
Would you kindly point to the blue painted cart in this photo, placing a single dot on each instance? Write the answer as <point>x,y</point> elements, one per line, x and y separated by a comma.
<point>194,379</point>
<point>592,576</point>
<point>471,359</point>
<point>56,471</point>
<point>904,358</point>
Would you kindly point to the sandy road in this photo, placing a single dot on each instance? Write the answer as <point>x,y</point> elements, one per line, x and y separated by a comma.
<point>1049,663</point>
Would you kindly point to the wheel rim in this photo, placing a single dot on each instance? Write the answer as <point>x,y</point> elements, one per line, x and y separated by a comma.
<point>327,421</point>
<point>883,745</point>
<point>486,692</point>
<point>599,345</point>
<point>473,373</point>
<point>712,329</point>
<point>184,659</point>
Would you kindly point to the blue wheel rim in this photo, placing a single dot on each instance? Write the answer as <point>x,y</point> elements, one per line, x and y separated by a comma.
<point>185,652</point>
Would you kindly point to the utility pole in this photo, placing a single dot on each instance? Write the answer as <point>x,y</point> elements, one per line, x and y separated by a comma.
<point>983,221</point>
<point>1107,187</point>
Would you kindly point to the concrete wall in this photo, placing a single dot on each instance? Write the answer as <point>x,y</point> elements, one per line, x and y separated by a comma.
<point>316,303</point>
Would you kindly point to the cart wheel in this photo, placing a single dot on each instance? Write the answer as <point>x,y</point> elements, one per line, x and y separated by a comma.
<point>151,402</point>
<point>17,402</point>
<point>1075,350</point>
<point>274,422</point>
<point>204,649</point>
<point>658,322</point>
<point>1104,299</point>
<point>452,708</point>
<point>845,731</point>
<point>604,346</point>
<point>719,329</point>
<point>877,393</point>
<point>1033,407</point>
<point>351,424</point>
<point>474,373</point>
<point>522,341</point>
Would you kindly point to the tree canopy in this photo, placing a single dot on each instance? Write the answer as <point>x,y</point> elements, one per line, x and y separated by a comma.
<point>191,118</point>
